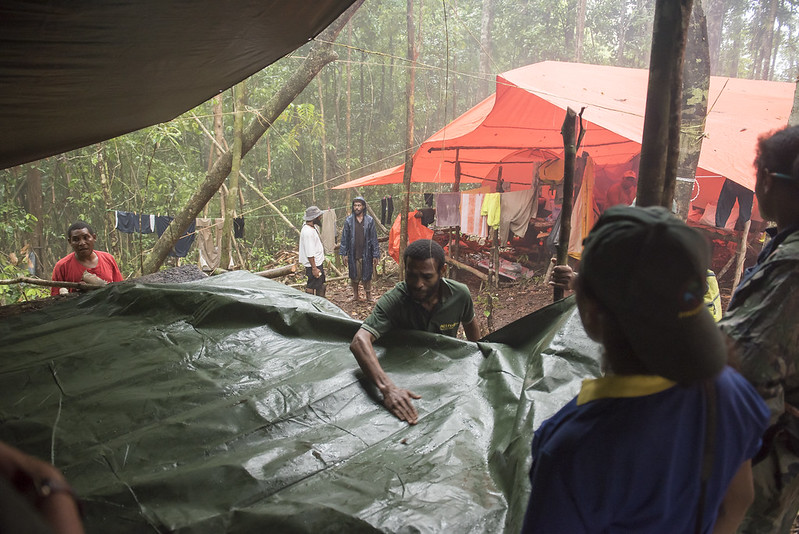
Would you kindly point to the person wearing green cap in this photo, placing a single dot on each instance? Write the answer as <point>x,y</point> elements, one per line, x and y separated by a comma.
<point>662,443</point>
<point>763,320</point>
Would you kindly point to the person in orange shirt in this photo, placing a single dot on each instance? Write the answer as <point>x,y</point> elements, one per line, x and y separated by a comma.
<point>623,192</point>
<point>84,264</point>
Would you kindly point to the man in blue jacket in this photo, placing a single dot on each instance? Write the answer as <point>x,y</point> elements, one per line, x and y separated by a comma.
<point>359,248</point>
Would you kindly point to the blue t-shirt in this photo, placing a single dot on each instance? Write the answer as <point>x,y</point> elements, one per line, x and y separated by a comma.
<point>625,455</point>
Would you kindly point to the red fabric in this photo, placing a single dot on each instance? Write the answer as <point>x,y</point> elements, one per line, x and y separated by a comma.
<point>416,230</point>
<point>529,105</point>
<point>69,269</point>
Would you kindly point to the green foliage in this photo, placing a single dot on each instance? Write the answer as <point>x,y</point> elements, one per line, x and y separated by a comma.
<point>155,170</point>
<point>12,293</point>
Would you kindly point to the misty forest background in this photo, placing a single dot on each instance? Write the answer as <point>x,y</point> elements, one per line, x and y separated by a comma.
<point>350,121</point>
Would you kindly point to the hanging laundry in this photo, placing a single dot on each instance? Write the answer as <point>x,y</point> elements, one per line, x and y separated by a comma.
<point>472,223</point>
<point>491,209</point>
<point>238,228</point>
<point>328,232</point>
<point>209,232</point>
<point>517,207</point>
<point>386,209</point>
<point>428,200</point>
<point>128,222</point>
<point>448,209</point>
<point>183,245</point>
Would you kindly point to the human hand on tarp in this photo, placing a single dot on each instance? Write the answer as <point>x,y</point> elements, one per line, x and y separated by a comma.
<point>400,402</point>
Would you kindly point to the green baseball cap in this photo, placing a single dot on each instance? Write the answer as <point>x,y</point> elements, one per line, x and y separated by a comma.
<point>648,268</point>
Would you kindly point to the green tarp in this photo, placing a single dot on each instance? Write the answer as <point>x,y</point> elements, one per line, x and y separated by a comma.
<point>233,404</point>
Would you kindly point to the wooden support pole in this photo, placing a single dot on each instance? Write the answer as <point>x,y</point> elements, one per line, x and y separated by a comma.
<point>50,283</point>
<point>741,257</point>
<point>278,271</point>
<point>334,279</point>
<point>495,256</point>
<point>454,245</point>
<point>568,131</point>
<point>468,268</point>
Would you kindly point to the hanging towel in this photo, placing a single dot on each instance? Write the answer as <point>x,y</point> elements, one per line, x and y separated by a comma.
<point>448,209</point>
<point>472,223</point>
<point>183,245</point>
<point>329,232</point>
<point>517,207</point>
<point>491,209</point>
<point>208,232</point>
<point>583,213</point>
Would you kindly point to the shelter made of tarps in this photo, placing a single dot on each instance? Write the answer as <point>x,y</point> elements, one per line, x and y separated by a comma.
<point>78,72</point>
<point>233,404</point>
<point>523,119</point>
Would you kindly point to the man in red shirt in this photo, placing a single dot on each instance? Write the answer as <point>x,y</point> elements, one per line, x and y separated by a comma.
<point>85,264</point>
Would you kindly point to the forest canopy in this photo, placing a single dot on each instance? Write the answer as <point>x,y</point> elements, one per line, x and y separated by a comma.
<point>350,120</point>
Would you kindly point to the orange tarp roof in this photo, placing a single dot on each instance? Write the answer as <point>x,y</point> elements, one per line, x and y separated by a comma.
<point>528,108</point>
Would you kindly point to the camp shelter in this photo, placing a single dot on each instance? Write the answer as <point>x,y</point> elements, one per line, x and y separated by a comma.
<point>233,404</point>
<point>78,72</point>
<point>525,114</point>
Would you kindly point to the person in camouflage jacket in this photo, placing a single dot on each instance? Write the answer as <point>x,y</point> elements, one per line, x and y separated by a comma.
<point>763,320</point>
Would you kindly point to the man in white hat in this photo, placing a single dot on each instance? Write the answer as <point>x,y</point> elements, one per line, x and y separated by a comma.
<point>312,253</point>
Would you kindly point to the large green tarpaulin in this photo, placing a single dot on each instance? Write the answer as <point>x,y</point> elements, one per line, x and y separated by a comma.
<point>233,404</point>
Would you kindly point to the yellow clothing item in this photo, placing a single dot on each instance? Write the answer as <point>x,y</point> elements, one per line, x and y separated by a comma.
<point>622,386</point>
<point>712,296</point>
<point>490,209</point>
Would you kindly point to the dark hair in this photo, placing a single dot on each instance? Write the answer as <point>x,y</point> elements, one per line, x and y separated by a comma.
<point>779,152</point>
<point>423,249</point>
<point>79,225</point>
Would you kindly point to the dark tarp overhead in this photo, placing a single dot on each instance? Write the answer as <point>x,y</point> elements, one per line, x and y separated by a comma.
<point>234,405</point>
<point>78,72</point>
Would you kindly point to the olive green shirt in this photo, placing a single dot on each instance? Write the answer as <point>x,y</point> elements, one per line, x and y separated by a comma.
<point>396,310</point>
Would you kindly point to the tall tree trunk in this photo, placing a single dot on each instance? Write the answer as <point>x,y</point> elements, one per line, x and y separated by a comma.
<point>321,54</point>
<point>580,32</point>
<point>623,25</point>
<point>793,120</point>
<point>695,88</point>
<point>661,135</point>
<point>715,24</point>
<point>406,177</point>
<point>768,39</point>
<point>328,203</point>
<point>348,116</point>
<point>486,47</point>
<point>219,133</point>
<point>108,219</point>
<point>33,198</point>
<point>235,166</point>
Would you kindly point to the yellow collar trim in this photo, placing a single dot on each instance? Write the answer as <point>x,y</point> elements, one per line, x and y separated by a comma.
<point>622,386</point>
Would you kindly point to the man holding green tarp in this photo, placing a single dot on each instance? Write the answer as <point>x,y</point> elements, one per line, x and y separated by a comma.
<point>424,301</point>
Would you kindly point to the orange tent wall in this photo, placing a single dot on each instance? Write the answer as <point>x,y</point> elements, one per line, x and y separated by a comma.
<point>528,108</point>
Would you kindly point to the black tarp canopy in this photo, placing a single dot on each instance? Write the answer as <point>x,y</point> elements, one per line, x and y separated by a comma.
<point>75,72</point>
<point>233,404</point>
